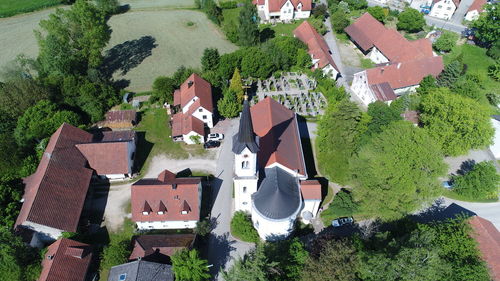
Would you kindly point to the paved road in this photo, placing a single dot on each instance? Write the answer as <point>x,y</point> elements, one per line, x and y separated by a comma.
<point>455,24</point>
<point>222,248</point>
<point>489,211</point>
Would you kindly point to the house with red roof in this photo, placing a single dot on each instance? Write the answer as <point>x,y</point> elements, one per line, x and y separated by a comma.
<point>159,247</point>
<point>401,64</point>
<point>270,177</point>
<point>119,119</point>
<point>475,9</point>
<point>318,49</point>
<point>488,240</point>
<point>55,194</point>
<point>283,10</point>
<point>444,9</point>
<point>66,260</point>
<point>166,202</point>
<point>194,106</point>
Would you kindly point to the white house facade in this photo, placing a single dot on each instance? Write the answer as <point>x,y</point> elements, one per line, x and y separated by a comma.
<point>495,147</point>
<point>443,9</point>
<point>475,9</point>
<point>278,10</point>
<point>376,56</point>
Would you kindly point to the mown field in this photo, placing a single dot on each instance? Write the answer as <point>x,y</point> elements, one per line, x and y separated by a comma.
<point>13,7</point>
<point>174,38</point>
<point>164,4</point>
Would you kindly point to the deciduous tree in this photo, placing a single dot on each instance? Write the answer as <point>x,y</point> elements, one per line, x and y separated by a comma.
<point>481,182</point>
<point>410,20</point>
<point>248,28</point>
<point>446,41</point>
<point>487,26</point>
<point>187,265</point>
<point>378,13</point>
<point>397,171</point>
<point>254,266</point>
<point>163,90</point>
<point>457,123</point>
<point>339,21</point>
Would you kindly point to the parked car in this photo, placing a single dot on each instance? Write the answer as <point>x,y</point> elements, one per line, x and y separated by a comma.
<point>447,184</point>
<point>342,221</point>
<point>215,137</point>
<point>211,144</point>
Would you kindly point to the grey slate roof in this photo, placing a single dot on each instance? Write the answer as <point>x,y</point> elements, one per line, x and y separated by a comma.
<point>246,136</point>
<point>141,270</point>
<point>278,196</point>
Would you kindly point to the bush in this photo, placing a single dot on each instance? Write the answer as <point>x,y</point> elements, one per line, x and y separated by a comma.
<point>479,183</point>
<point>410,20</point>
<point>446,41</point>
<point>242,228</point>
<point>343,205</point>
<point>378,13</point>
<point>339,21</point>
<point>228,4</point>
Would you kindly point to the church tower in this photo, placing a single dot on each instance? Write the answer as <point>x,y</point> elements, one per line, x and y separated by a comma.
<point>245,150</point>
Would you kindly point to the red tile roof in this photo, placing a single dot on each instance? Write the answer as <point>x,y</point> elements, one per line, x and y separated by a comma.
<point>477,5</point>
<point>55,193</point>
<point>173,193</point>
<point>194,86</point>
<point>400,75</point>
<point>275,5</point>
<point>367,32</point>
<point>279,137</point>
<point>259,2</point>
<point>317,46</point>
<point>411,116</point>
<point>145,245</point>
<point>488,239</point>
<point>311,189</point>
<point>121,116</point>
<point>66,260</point>
<point>383,91</point>
<point>183,124</point>
<point>107,158</point>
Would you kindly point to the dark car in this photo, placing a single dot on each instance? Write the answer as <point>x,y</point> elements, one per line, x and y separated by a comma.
<point>211,144</point>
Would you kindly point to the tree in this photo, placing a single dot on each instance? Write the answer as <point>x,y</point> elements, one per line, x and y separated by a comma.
<point>343,205</point>
<point>108,7</point>
<point>237,86</point>
<point>254,266</point>
<point>378,13</point>
<point>187,265</point>
<point>494,70</point>
<point>210,59</point>
<point>163,90</point>
<point>339,21</point>
<point>450,74</point>
<point>357,4</point>
<point>381,116</point>
<point>229,106</point>
<point>227,64</point>
<point>10,196</point>
<point>17,95</point>
<point>40,121</point>
<point>318,24</point>
<point>214,12</point>
<point>283,51</point>
<point>426,85</point>
<point>457,123</point>
<point>446,41</point>
<point>487,29</point>
<point>72,40</point>
<point>303,59</point>
<point>397,171</point>
<point>116,252</point>
<point>256,63</point>
<point>479,183</point>
<point>248,28</point>
<point>410,20</point>
<point>339,132</point>
<point>322,268</point>
<point>290,257</point>
<point>320,11</point>
<point>242,228</point>
<point>203,227</point>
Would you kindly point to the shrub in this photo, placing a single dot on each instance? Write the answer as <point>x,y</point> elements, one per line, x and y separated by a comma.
<point>242,228</point>
<point>479,183</point>
<point>342,205</point>
<point>195,139</point>
<point>378,13</point>
<point>410,20</point>
<point>228,4</point>
<point>339,21</point>
<point>446,41</point>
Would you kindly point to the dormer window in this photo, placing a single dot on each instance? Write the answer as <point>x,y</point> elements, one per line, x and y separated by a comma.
<point>184,212</point>
<point>147,209</point>
<point>160,213</point>
<point>185,208</point>
<point>162,208</point>
<point>145,213</point>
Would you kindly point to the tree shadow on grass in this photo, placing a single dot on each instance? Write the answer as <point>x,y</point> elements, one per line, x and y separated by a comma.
<point>144,148</point>
<point>127,55</point>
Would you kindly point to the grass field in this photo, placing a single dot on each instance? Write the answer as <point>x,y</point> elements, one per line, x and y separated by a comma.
<point>282,29</point>
<point>162,4</point>
<point>154,43</point>
<point>154,135</point>
<point>476,60</point>
<point>13,7</point>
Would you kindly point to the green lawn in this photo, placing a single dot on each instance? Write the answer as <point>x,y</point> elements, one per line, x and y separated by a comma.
<point>366,63</point>
<point>282,29</point>
<point>231,14</point>
<point>154,136</point>
<point>13,7</point>
<point>476,60</point>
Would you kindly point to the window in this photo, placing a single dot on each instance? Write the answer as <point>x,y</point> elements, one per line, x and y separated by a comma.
<point>123,277</point>
<point>160,213</point>
<point>449,8</point>
<point>244,189</point>
<point>244,203</point>
<point>184,212</point>
<point>244,165</point>
<point>204,117</point>
<point>440,6</point>
<point>145,213</point>
<point>200,110</point>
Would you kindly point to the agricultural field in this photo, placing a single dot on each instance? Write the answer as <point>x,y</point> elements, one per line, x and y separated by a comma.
<point>165,4</point>
<point>158,42</point>
<point>10,8</point>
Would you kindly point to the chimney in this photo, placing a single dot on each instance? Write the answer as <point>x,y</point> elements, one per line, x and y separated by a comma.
<point>382,70</point>
<point>190,83</point>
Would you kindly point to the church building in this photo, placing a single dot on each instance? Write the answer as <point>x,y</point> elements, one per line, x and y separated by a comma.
<point>270,178</point>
